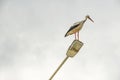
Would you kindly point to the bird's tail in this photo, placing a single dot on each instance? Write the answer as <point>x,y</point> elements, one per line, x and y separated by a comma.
<point>66,35</point>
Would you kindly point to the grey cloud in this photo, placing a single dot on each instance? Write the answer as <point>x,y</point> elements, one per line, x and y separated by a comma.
<point>32,42</point>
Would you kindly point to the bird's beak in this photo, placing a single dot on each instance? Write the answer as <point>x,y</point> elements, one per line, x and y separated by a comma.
<point>90,19</point>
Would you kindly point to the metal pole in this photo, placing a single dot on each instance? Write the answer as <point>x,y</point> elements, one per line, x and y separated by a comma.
<point>59,67</point>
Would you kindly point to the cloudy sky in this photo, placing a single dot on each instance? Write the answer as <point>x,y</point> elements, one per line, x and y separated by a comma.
<point>32,42</point>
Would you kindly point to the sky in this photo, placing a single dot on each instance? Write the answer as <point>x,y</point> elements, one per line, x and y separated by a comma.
<point>32,42</point>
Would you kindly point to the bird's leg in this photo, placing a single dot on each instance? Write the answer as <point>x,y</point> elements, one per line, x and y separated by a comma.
<point>75,36</point>
<point>78,35</point>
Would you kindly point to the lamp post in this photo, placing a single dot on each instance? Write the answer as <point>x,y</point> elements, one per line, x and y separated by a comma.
<point>72,51</point>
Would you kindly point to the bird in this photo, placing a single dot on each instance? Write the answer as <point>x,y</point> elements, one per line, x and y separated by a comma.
<point>76,27</point>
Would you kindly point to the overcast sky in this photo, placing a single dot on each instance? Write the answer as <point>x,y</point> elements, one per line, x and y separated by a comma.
<point>32,42</point>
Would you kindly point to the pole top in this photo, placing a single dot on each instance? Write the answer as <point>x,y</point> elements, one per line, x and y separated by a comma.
<point>74,48</point>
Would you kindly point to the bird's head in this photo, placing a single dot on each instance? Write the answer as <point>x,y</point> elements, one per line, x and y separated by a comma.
<point>88,17</point>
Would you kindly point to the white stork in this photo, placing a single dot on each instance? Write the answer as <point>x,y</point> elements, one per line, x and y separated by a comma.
<point>77,27</point>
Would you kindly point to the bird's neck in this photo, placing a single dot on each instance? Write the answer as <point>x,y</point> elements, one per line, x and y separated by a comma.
<point>85,19</point>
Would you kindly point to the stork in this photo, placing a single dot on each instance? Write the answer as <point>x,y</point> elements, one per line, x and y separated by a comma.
<point>77,27</point>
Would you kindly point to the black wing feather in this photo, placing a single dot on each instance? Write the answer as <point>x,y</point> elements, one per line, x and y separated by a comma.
<point>71,28</point>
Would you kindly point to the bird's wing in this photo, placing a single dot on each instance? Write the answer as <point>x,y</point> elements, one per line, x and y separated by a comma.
<point>72,27</point>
